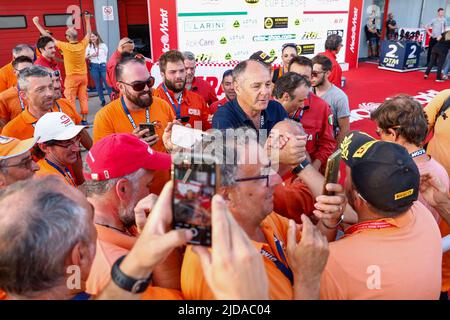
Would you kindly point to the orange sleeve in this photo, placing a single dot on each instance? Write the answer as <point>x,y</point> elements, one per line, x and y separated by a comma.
<point>158,293</point>
<point>3,79</point>
<point>102,126</point>
<point>4,113</point>
<point>291,200</point>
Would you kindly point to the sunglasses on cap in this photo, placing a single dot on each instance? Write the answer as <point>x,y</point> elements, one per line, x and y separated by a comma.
<point>140,85</point>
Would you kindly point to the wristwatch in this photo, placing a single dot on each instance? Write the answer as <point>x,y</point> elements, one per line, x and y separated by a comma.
<point>128,283</point>
<point>301,166</point>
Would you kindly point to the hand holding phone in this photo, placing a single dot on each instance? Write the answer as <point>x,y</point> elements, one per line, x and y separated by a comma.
<point>151,129</point>
<point>195,181</point>
<point>332,171</point>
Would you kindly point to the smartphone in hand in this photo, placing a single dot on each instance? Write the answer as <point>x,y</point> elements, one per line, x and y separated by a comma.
<point>195,181</point>
<point>332,171</point>
<point>150,127</point>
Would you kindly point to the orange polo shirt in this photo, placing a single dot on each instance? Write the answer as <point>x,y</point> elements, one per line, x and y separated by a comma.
<point>22,126</point>
<point>74,56</point>
<point>193,283</point>
<point>192,105</point>
<point>113,119</point>
<point>10,106</point>
<point>47,169</point>
<point>111,245</point>
<point>403,262</point>
<point>7,77</point>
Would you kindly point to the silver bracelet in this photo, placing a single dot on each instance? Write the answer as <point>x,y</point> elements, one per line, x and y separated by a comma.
<point>337,224</point>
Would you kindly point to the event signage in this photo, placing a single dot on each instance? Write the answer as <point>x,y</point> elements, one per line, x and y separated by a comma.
<point>400,56</point>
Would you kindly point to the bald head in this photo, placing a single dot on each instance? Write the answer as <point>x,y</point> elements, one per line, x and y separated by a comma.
<point>125,45</point>
<point>71,34</point>
<point>289,126</point>
<point>23,50</point>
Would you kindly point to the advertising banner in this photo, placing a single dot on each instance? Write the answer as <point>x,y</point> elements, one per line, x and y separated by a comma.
<point>353,32</point>
<point>226,30</point>
<point>163,26</point>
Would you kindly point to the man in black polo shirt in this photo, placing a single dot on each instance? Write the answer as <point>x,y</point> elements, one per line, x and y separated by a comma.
<point>252,106</point>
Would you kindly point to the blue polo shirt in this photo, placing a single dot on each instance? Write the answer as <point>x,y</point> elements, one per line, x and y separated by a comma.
<point>231,115</point>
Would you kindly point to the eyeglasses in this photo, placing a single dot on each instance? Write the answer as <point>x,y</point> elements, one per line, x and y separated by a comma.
<point>140,85</point>
<point>316,73</point>
<point>25,163</point>
<point>68,143</point>
<point>265,176</point>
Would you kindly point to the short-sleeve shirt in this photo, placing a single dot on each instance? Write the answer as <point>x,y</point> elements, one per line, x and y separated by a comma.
<point>113,119</point>
<point>438,26</point>
<point>74,56</point>
<point>339,104</point>
<point>22,126</point>
<point>403,262</point>
<point>11,104</point>
<point>232,116</point>
<point>193,283</point>
<point>439,145</point>
<point>7,77</point>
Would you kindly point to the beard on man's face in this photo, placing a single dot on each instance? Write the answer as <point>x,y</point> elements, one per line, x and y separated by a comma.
<point>143,99</point>
<point>175,86</point>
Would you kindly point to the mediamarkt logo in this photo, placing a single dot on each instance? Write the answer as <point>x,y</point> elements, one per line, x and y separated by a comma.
<point>164,28</point>
<point>354,23</point>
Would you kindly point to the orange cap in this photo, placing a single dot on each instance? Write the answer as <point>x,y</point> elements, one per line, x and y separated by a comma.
<point>12,147</point>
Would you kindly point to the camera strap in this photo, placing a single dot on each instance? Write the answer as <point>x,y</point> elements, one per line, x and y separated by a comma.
<point>130,118</point>
<point>280,265</point>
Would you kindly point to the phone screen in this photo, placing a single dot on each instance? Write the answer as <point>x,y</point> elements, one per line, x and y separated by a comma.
<point>194,186</point>
<point>149,126</point>
<point>332,171</point>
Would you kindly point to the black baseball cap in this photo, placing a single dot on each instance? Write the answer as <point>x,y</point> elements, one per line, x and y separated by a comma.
<point>384,173</point>
<point>263,57</point>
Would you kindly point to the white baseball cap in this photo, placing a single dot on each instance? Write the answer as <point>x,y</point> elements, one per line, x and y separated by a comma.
<point>55,126</point>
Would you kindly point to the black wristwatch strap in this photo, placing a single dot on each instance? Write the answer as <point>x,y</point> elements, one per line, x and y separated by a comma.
<point>128,283</point>
<point>301,166</point>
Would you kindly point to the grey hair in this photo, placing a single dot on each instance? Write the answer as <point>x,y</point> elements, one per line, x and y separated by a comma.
<point>188,55</point>
<point>93,187</point>
<point>37,237</point>
<point>33,71</point>
<point>17,50</point>
<point>229,150</point>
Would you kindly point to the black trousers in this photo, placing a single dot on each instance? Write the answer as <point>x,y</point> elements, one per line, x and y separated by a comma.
<point>432,43</point>
<point>437,59</point>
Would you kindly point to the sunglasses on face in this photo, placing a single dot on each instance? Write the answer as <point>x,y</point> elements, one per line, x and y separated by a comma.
<point>68,143</point>
<point>140,85</point>
<point>55,74</point>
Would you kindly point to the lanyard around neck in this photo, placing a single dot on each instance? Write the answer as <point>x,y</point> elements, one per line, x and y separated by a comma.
<point>176,107</point>
<point>66,173</point>
<point>280,265</point>
<point>417,153</point>
<point>130,118</point>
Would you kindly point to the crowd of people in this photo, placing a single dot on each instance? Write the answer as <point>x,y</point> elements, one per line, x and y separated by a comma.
<point>99,225</point>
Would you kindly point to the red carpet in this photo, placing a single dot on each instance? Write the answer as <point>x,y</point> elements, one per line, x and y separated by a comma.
<point>367,86</point>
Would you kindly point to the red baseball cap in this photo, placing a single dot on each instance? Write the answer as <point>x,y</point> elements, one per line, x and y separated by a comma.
<point>118,155</point>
